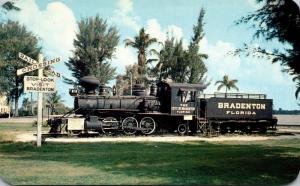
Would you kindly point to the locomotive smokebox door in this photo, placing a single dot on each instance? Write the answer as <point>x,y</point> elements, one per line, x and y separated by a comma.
<point>183,99</point>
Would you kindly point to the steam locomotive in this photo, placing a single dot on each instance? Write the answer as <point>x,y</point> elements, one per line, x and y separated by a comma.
<point>172,107</point>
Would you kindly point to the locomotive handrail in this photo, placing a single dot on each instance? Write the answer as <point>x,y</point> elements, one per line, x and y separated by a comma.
<point>71,111</point>
<point>233,95</point>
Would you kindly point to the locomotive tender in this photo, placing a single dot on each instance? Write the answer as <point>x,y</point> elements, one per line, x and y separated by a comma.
<point>170,106</point>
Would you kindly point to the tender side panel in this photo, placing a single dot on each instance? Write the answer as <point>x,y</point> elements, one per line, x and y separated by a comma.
<point>238,108</point>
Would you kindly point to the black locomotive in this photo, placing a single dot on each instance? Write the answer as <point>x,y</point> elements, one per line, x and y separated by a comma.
<point>169,107</point>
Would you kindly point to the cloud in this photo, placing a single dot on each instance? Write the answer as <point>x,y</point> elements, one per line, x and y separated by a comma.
<point>56,28</point>
<point>254,4</point>
<point>57,33</point>
<point>219,63</point>
<point>254,75</point>
<point>123,56</point>
<point>154,29</point>
<point>124,15</point>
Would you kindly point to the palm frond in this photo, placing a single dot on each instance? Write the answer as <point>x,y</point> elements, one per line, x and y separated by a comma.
<point>235,87</point>
<point>219,82</point>
<point>151,60</point>
<point>129,42</point>
<point>220,87</point>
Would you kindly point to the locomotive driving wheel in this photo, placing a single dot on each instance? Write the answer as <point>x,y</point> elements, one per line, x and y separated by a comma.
<point>148,125</point>
<point>129,125</point>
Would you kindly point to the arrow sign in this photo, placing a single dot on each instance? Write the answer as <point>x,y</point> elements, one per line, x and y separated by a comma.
<point>27,58</point>
<point>37,66</point>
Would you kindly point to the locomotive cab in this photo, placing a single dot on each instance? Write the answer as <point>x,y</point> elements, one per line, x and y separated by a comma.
<point>183,98</point>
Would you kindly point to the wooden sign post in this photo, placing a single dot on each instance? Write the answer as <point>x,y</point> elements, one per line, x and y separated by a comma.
<point>38,84</point>
<point>40,106</point>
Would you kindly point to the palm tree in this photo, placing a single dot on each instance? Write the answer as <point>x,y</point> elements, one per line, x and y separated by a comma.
<point>227,83</point>
<point>53,101</point>
<point>141,42</point>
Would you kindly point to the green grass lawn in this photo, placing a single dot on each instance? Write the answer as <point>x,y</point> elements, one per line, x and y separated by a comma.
<point>229,163</point>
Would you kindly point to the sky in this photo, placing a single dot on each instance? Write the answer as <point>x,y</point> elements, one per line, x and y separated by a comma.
<point>55,23</point>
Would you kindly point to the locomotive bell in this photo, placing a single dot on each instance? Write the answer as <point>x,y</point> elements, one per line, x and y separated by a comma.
<point>89,83</point>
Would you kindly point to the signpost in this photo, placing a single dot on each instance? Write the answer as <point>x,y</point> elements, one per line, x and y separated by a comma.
<point>39,84</point>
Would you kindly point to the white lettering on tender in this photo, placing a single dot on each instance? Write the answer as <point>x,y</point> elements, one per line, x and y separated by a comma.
<point>241,108</point>
<point>250,106</point>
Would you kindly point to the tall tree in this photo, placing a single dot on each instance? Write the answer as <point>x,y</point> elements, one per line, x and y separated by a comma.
<point>227,83</point>
<point>14,38</point>
<point>95,45</point>
<point>180,65</point>
<point>277,19</point>
<point>195,58</point>
<point>173,61</point>
<point>53,101</point>
<point>141,42</point>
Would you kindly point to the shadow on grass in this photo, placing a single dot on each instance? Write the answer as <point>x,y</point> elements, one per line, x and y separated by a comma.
<point>187,163</point>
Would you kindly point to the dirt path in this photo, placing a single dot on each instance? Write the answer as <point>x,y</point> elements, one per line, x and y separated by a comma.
<point>29,136</point>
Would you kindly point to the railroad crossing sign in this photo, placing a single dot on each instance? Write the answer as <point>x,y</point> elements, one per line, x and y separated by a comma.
<point>33,62</point>
<point>38,84</point>
<point>37,66</point>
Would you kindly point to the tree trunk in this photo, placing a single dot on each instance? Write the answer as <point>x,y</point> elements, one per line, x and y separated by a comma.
<point>141,64</point>
<point>31,104</point>
<point>17,98</point>
<point>16,106</point>
<point>52,110</point>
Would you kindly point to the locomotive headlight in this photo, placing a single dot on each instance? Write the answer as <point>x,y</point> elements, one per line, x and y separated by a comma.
<point>73,92</point>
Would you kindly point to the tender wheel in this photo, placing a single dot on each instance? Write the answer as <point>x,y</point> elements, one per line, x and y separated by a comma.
<point>148,125</point>
<point>182,129</point>
<point>129,125</point>
<point>263,129</point>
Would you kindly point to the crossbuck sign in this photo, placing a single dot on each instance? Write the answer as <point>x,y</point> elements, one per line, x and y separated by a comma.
<point>38,84</point>
<point>36,66</point>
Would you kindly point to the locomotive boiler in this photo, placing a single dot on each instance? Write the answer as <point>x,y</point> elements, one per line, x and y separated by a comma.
<point>169,107</point>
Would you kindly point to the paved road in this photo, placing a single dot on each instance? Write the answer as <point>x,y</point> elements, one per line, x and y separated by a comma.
<point>17,120</point>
